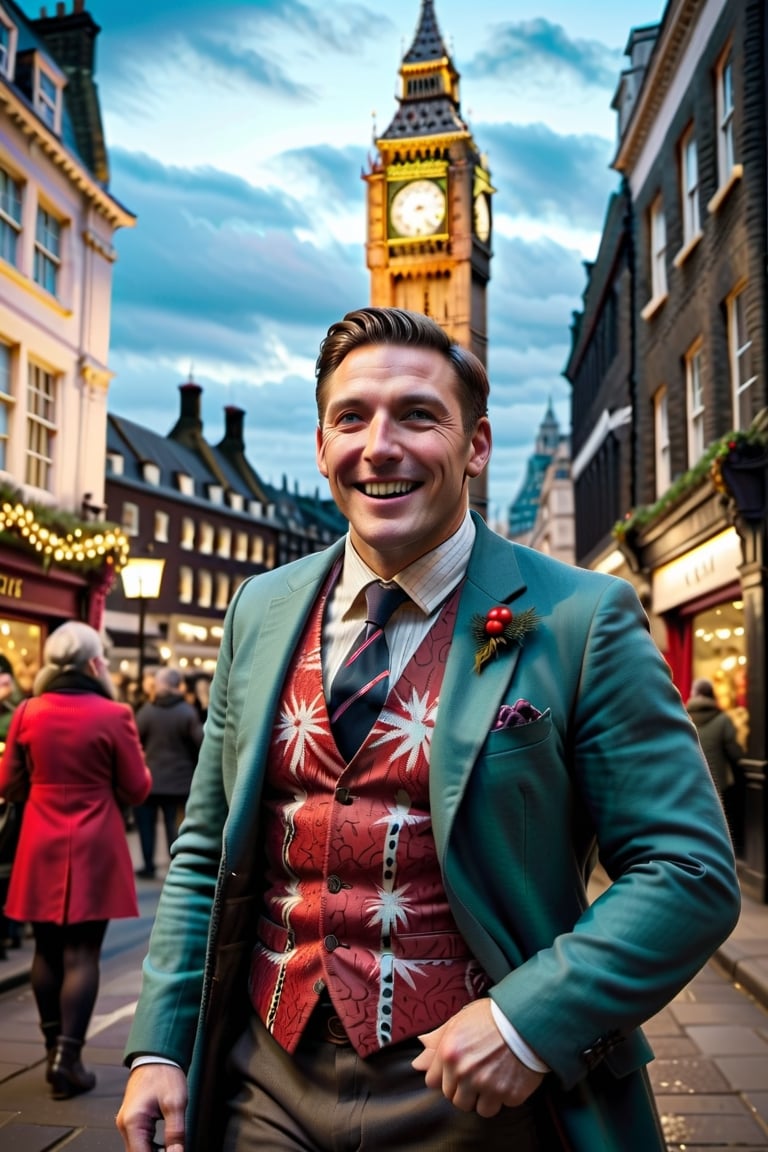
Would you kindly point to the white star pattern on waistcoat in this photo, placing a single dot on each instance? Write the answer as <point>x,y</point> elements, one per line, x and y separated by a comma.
<point>389,909</point>
<point>410,732</point>
<point>299,723</point>
<point>400,813</point>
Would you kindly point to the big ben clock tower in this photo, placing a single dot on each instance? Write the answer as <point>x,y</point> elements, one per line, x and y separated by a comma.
<point>429,205</point>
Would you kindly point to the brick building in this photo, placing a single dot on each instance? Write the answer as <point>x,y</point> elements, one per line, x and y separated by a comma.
<point>682,275</point>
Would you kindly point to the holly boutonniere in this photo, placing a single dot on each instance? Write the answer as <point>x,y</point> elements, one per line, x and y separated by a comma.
<point>499,628</point>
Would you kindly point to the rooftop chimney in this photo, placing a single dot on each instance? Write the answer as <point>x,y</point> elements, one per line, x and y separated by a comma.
<point>234,419</point>
<point>70,37</point>
<point>188,429</point>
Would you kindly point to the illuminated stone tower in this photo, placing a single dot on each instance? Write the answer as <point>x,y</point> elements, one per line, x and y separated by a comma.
<point>429,205</point>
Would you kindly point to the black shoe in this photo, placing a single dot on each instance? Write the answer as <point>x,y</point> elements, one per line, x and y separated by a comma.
<point>145,873</point>
<point>66,1074</point>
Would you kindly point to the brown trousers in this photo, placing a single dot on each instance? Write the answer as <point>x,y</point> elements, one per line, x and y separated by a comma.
<point>325,1098</point>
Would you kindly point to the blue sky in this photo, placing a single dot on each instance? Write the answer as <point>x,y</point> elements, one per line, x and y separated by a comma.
<point>237,133</point>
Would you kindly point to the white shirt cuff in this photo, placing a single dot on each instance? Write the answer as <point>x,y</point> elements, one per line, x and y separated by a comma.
<point>514,1040</point>
<point>139,1060</point>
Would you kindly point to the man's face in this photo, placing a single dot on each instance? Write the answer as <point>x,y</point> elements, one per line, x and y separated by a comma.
<point>393,448</point>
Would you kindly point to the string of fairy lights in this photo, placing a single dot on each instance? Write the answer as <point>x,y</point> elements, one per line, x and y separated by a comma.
<point>80,547</point>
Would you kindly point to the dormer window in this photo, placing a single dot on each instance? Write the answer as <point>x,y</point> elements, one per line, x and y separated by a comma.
<point>47,94</point>
<point>236,501</point>
<point>115,464</point>
<point>215,493</point>
<point>186,484</point>
<point>150,473</point>
<point>8,36</point>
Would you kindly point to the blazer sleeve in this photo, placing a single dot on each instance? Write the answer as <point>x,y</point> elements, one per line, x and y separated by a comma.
<point>638,771</point>
<point>166,1017</point>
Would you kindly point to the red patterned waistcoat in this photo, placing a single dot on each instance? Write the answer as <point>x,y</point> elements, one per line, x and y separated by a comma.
<point>355,901</point>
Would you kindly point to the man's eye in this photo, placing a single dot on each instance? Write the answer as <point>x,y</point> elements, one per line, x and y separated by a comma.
<point>348,418</point>
<point>419,414</point>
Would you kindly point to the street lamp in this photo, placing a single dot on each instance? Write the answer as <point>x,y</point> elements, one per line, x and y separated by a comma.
<point>141,579</point>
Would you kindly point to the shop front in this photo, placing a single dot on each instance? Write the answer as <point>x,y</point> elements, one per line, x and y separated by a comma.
<point>701,568</point>
<point>32,603</point>
<point>52,569</point>
<point>698,596</point>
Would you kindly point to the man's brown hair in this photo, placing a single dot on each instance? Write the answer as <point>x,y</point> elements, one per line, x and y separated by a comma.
<point>367,326</point>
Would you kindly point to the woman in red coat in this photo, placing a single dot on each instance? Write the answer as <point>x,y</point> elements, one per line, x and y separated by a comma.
<point>73,754</point>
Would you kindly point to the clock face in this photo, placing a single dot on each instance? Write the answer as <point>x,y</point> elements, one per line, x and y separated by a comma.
<point>482,217</point>
<point>418,209</point>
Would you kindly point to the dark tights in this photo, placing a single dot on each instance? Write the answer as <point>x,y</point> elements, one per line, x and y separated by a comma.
<point>65,974</point>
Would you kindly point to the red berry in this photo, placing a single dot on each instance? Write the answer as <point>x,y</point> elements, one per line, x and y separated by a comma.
<point>494,627</point>
<point>494,614</point>
<point>504,614</point>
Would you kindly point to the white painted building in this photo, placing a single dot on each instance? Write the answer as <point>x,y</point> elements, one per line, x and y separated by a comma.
<point>57,223</point>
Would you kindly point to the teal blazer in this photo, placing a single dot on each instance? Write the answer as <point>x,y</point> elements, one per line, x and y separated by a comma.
<point>613,762</point>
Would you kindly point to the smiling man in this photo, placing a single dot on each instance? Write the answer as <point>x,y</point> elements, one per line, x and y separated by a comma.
<point>374,933</point>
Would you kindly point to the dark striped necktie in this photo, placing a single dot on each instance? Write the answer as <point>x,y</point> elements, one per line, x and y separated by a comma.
<point>361,685</point>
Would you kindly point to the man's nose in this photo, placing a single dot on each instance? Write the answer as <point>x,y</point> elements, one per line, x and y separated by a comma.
<point>382,442</point>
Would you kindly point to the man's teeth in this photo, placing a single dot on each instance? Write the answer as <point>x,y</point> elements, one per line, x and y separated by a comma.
<point>390,488</point>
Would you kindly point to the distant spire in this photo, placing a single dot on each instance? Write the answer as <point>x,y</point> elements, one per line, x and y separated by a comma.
<point>429,86</point>
<point>428,43</point>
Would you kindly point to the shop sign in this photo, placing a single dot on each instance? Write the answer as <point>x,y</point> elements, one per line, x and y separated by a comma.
<point>703,569</point>
<point>11,586</point>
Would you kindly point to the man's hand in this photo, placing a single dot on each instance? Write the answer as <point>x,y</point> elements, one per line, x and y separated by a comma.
<point>469,1060</point>
<point>153,1092</point>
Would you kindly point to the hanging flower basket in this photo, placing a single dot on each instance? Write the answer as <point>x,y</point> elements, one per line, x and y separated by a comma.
<point>740,470</point>
<point>744,473</point>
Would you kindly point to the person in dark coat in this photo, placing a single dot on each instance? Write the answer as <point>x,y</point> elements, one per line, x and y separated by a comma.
<point>717,734</point>
<point>73,755</point>
<point>171,734</point>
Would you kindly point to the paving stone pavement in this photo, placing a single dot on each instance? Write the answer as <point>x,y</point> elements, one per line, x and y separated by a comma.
<point>710,1075</point>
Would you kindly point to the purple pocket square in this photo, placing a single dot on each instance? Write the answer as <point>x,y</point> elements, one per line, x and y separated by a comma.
<point>514,715</point>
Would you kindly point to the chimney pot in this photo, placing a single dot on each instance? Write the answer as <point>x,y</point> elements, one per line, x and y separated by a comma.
<point>78,6</point>
<point>61,8</point>
<point>233,427</point>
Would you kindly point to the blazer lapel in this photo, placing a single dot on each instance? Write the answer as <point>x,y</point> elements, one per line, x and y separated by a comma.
<point>469,701</point>
<point>271,631</point>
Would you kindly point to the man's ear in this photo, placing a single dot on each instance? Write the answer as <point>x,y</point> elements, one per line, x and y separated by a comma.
<point>481,447</point>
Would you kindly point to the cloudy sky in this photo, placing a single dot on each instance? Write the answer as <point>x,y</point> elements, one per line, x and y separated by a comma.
<point>238,130</point>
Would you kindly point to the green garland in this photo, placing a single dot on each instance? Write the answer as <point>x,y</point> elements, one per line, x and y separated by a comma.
<point>708,466</point>
<point>58,537</point>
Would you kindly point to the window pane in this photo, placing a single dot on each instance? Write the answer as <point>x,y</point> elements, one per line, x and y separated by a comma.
<point>47,251</point>
<point>5,369</point>
<point>10,216</point>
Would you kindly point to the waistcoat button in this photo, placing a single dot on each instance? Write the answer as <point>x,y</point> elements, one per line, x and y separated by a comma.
<point>334,884</point>
<point>331,943</point>
<point>343,796</point>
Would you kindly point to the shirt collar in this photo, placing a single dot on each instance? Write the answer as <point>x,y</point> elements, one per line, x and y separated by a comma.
<point>427,581</point>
